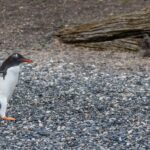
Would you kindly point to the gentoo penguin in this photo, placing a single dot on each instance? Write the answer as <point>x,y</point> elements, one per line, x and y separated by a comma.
<point>145,46</point>
<point>9,73</point>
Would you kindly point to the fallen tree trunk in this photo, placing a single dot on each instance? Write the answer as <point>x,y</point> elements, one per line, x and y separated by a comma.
<point>119,44</point>
<point>123,31</point>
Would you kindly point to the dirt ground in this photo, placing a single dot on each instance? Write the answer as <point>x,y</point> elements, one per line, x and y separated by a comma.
<point>28,24</point>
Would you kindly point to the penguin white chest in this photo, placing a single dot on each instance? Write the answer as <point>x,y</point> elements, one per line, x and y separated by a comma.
<point>8,84</point>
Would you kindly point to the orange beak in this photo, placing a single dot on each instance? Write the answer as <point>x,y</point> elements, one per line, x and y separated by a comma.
<point>26,60</point>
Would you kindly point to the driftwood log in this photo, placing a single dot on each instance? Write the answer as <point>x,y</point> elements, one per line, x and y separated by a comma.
<point>123,32</point>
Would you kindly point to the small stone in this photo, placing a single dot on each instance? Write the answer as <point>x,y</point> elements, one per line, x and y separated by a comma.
<point>43,132</point>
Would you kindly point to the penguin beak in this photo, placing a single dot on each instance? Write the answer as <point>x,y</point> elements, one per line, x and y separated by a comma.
<point>26,60</point>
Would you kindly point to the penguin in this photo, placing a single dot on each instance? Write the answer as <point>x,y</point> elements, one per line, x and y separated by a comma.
<point>9,74</point>
<point>145,46</point>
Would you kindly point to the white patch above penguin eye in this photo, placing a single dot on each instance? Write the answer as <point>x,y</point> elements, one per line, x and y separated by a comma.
<point>16,55</point>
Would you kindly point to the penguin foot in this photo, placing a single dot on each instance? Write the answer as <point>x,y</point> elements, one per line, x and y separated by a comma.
<point>8,118</point>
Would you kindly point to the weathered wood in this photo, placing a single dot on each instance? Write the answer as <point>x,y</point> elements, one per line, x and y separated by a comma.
<point>129,44</point>
<point>121,31</point>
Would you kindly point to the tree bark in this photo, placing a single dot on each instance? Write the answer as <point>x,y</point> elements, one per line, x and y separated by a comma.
<point>118,32</point>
